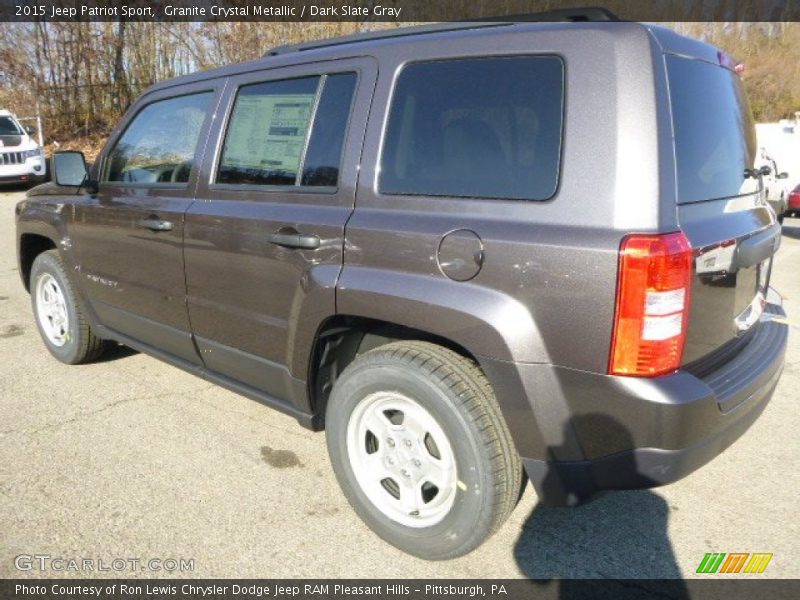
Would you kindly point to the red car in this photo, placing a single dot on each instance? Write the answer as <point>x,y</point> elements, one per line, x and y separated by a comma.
<point>793,203</point>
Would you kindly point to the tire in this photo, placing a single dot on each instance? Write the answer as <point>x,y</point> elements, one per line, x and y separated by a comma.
<point>446,440</point>
<point>63,327</point>
<point>781,217</point>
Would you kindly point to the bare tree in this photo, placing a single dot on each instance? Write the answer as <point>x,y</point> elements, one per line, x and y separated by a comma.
<point>84,75</point>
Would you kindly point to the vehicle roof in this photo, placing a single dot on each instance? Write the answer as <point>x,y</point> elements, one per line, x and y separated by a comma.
<point>352,46</point>
<point>5,113</point>
<point>671,42</point>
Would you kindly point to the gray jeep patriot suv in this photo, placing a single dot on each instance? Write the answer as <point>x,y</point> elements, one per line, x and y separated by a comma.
<point>469,252</point>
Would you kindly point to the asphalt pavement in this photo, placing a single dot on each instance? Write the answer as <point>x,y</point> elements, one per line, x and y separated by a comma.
<point>132,459</point>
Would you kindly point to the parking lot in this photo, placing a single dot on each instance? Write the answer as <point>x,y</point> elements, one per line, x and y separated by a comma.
<point>131,458</point>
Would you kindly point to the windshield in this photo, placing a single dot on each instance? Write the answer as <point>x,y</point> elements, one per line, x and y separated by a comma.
<point>9,127</point>
<point>715,137</point>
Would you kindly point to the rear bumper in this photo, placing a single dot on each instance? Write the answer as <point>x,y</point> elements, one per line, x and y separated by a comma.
<point>587,433</point>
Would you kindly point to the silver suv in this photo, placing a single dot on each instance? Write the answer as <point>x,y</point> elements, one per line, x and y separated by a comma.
<point>468,252</point>
<point>21,158</point>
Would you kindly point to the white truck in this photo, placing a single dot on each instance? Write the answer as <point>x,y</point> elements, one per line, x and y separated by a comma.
<point>21,157</point>
<point>775,185</point>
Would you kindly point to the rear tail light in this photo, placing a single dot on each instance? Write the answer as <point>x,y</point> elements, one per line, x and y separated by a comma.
<point>653,293</point>
<point>794,200</point>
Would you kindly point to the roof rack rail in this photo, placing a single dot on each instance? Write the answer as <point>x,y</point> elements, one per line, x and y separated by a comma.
<point>575,15</point>
<point>565,14</point>
<point>379,35</point>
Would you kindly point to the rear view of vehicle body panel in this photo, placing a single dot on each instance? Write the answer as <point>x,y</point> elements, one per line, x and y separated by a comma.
<point>622,432</point>
<point>720,202</point>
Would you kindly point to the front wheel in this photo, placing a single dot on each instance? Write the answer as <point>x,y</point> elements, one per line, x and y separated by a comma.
<point>420,449</point>
<point>63,327</point>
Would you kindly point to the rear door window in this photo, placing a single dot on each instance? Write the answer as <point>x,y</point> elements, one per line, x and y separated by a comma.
<point>714,133</point>
<point>321,164</point>
<point>288,132</point>
<point>478,127</point>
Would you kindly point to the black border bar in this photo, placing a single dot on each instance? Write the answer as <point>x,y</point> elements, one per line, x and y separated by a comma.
<point>401,11</point>
<point>713,587</point>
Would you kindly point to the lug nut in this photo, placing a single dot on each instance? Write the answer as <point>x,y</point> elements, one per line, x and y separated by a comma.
<point>417,462</point>
<point>390,460</point>
<point>390,441</point>
<point>407,443</point>
<point>405,473</point>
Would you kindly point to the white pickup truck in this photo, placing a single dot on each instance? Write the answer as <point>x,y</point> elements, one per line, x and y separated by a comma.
<point>776,187</point>
<point>21,158</point>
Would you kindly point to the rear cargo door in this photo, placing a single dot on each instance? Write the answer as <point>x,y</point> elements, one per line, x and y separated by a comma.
<point>721,207</point>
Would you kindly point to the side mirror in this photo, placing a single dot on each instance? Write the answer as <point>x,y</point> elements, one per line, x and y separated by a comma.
<point>69,169</point>
<point>783,175</point>
<point>30,130</point>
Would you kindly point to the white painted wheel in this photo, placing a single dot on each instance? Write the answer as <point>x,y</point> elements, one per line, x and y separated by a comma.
<point>420,449</point>
<point>402,459</point>
<point>64,329</point>
<point>51,309</point>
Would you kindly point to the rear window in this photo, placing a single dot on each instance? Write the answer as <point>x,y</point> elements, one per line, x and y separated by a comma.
<point>714,133</point>
<point>480,127</point>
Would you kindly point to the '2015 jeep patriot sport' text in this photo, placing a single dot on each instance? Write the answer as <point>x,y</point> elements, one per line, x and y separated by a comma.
<point>465,251</point>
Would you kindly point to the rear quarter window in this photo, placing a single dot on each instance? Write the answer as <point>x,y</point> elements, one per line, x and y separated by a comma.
<point>713,127</point>
<point>477,127</point>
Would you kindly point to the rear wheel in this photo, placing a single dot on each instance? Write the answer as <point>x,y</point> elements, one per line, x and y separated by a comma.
<point>64,329</point>
<point>420,449</point>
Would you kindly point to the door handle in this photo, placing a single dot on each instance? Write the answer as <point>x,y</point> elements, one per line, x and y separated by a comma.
<point>154,224</point>
<point>294,240</point>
